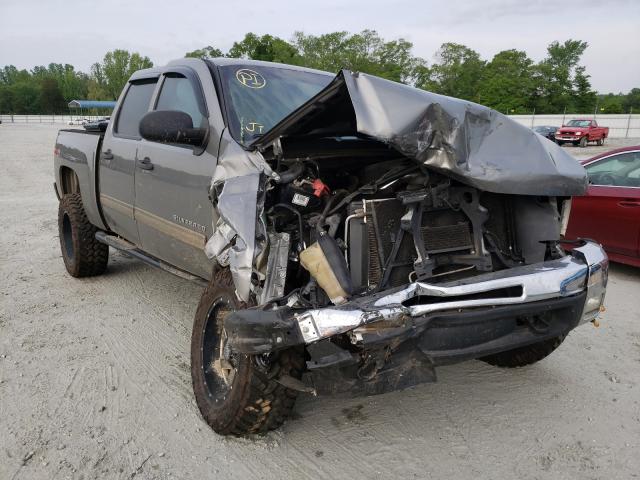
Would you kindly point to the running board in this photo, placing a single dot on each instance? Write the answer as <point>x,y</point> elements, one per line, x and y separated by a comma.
<point>131,250</point>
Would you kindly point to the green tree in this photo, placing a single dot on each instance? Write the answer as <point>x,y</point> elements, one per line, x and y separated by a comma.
<point>267,48</point>
<point>72,84</point>
<point>116,68</point>
<point>506,83</point>
<point>205,52</point>
<point>457,72</point>
<point>584,97</point>
<point>10,75</point>
<point>51,99</point>
<point>6,99</point>
<point>610,103</point>
<point>96,90</point>
<point>555,77</point>
<point>25,98</point>
<point>363,52</point>
<point>632,101</point>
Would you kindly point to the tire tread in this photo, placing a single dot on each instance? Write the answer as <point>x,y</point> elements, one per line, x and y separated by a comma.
<point>90,256</point>
<point>523,356</point>
<point>263,404</point>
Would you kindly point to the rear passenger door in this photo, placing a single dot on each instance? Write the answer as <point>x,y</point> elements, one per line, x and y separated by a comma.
<point>173,210</point>
<point>118,157</point>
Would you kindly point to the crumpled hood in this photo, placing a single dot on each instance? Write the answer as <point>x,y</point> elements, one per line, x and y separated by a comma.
<point>469,142</point>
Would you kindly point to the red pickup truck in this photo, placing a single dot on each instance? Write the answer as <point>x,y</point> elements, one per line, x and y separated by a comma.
<point>581,131</point>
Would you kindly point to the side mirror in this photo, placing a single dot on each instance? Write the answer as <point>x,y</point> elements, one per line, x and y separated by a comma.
<point>172,126</point>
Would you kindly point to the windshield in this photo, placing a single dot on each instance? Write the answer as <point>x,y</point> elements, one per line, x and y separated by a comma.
<point>257,97</point>
<point>579,123</point>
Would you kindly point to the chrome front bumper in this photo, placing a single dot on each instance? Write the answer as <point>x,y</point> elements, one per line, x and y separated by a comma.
<point>585,268</point>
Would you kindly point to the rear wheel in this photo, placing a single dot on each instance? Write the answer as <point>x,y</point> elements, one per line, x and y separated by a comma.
<point>83,255</point>
<point>523,356</point>
<point>237,394</point>
<point>583,142</point>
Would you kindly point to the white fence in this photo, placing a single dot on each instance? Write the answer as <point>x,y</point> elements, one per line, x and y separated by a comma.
<point>66,119</point>
<point>620,126</point>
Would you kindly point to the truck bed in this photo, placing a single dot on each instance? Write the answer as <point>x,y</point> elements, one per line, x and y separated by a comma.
<point>79,151</point>
<point>86,132</point>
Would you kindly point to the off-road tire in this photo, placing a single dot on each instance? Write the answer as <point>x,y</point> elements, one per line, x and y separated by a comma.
<point>584,141</point>
<point>256,402</point>
<point>523,356</point>
<point>83,255</point>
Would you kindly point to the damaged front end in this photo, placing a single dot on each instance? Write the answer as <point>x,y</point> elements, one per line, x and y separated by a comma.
<point>364,344</point>
<point>389,230</point>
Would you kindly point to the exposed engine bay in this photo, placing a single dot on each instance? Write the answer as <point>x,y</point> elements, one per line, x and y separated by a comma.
<point>365,253</point>
<point>339,228</point>
<point>388,230</point>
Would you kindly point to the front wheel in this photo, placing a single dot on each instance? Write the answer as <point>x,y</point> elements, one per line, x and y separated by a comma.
<point>583,142</point>
<point>523,356</point>
<point>237,394</point>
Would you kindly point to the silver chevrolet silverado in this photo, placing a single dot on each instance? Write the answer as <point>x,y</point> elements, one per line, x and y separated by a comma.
<point>350,233</point>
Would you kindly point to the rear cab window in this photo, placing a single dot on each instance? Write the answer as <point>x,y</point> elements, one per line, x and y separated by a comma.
<point>134,106</point>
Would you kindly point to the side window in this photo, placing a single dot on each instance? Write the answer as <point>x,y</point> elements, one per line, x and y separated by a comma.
<point>178,93</point>
<point>618,171</point>
<point>135,105</point>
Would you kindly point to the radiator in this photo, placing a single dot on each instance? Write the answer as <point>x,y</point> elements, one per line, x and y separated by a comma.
<point>371,238</point>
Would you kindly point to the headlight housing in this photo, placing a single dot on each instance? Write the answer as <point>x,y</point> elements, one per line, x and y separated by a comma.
<point>596,289</point>
<point>564,216</point>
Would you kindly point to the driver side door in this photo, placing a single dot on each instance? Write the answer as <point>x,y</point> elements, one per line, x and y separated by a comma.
<point>610,211</point>
<point>173,211</point>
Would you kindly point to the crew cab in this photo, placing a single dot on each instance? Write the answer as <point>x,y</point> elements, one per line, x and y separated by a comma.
<point>350,233</point>
<point>580,132</point>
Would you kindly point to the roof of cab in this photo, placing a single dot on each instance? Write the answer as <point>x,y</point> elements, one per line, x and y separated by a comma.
<point>155,72</point>
<point>223,61</point>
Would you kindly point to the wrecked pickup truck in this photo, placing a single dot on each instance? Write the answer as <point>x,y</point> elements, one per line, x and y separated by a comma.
<point>351,233</point>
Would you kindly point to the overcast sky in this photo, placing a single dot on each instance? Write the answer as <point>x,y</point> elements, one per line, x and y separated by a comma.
<point>80,32</point>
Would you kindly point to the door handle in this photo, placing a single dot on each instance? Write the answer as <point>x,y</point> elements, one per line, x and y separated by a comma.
<point>145,164</point>
<point>107,155</point>
<point>629,203</point>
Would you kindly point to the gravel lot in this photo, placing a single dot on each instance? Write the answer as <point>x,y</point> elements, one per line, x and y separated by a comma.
<point>94,379</point>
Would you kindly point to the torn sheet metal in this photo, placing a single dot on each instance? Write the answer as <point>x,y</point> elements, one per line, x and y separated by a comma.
<point>564,277</point>
<point>469,142</point>
<point>235,190</point>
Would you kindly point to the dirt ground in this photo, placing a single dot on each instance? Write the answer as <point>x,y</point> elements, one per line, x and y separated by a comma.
<point>95,383</point>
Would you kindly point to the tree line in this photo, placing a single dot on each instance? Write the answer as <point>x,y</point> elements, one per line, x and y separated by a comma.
<point>510,82</point>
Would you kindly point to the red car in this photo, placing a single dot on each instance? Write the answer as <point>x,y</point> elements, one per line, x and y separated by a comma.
<point>610,210</point>
<point>580,132</point>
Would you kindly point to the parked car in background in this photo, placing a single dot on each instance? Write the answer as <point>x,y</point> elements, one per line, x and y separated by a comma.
<point>99,125</point>
<point>546,131</point>
<point>581,131</point>
<point>610,210</point>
